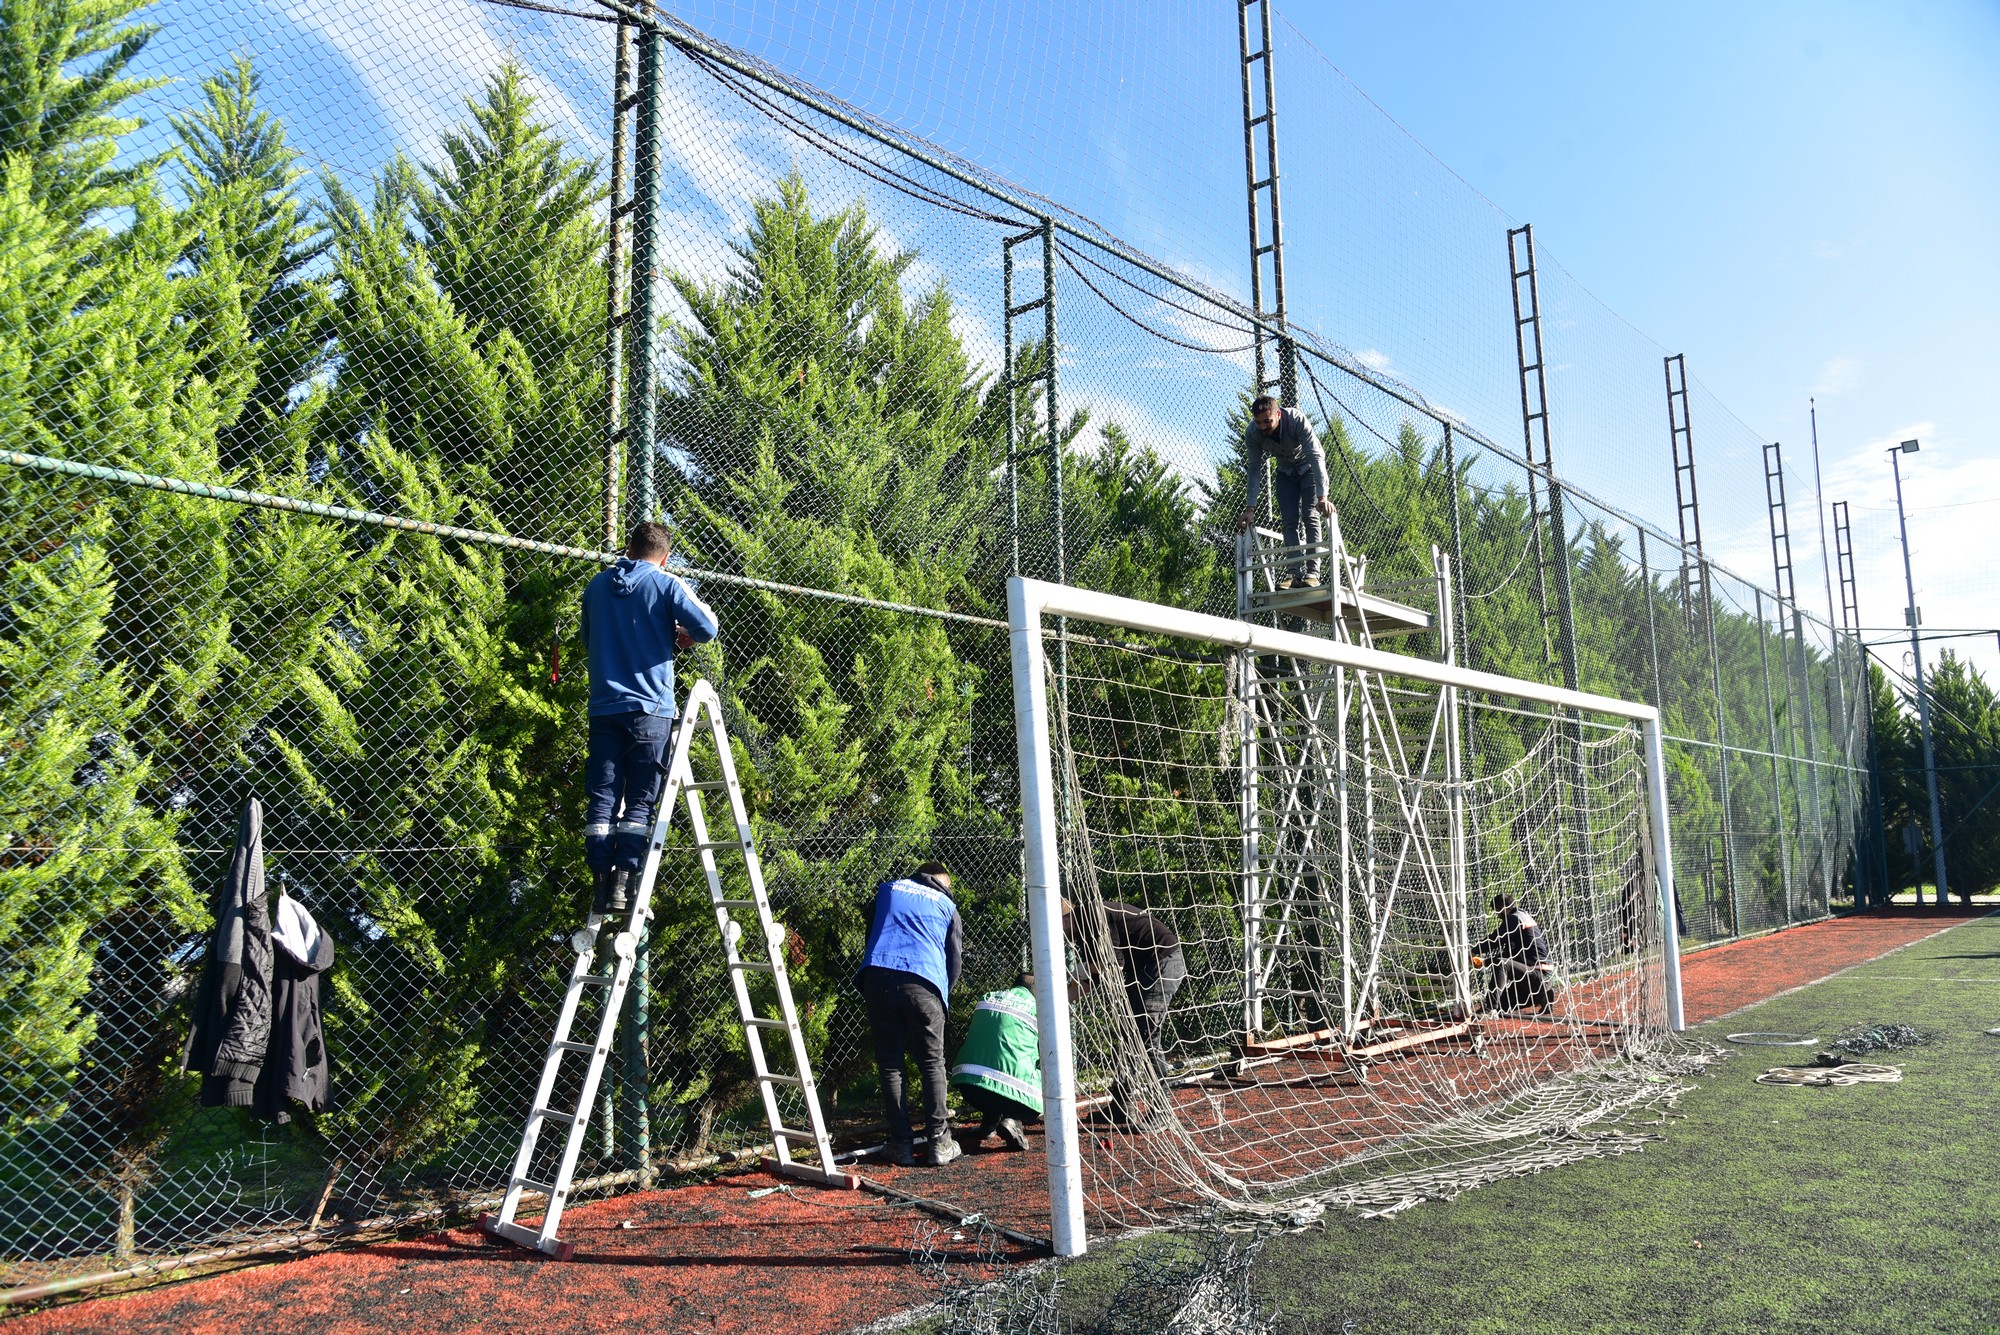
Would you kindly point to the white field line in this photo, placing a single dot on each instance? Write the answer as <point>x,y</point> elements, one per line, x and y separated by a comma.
<point>1857,964</point>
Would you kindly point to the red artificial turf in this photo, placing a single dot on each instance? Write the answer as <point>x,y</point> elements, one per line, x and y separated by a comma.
<point>710,1257</point>
<point>706,1257</point>
<point>1722,980</point>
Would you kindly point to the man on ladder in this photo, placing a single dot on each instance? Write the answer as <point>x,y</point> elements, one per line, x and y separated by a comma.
<point>634,616</point>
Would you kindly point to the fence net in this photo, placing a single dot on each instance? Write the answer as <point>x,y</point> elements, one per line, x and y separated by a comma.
<point>315,430</point>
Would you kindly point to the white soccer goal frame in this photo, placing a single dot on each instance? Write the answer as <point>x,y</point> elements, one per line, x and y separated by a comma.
<point>1029,603</point>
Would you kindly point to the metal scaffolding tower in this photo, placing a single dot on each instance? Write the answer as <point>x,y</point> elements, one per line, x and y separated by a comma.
<point>1550,534</point>
<point>1260,121</point>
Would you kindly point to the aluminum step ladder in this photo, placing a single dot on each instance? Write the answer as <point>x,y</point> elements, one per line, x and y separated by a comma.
<point>743,958</point>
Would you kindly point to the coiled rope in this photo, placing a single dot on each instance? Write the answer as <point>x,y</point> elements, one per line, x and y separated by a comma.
<point>1852,1073</point>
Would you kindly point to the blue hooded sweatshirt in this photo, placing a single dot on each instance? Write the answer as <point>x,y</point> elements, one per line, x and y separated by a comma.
<point>629,615</point>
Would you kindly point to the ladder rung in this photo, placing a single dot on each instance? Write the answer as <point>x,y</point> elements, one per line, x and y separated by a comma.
<point>791,1133</point>
<point>529,1184</point>
<point>557,1115</point>
<point>719,843</point>
<point>712,786</point>
<point>759,1022</point>
<point>737,903</point>
<point>598,979</point>
<point>772,1079</point>
<point>1034,305</point>
<point>750,964</point>
<point>567,1045</point>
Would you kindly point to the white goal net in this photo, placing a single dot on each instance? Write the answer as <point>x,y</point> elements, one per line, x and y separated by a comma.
<point>1268,863</point>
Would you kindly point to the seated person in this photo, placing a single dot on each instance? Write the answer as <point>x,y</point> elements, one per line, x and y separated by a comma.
<point>1516,956</point>
<point>999,1069</point>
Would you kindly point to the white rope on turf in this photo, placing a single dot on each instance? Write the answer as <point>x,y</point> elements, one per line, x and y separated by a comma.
<point>1851,1073</point>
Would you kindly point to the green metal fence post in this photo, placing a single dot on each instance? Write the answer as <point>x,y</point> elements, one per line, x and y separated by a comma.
<point>643,504</point>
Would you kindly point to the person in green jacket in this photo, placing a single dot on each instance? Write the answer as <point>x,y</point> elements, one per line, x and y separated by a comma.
<point>999,1069</point>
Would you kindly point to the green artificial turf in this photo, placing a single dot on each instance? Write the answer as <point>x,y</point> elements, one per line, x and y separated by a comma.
<point>1868,1208</point>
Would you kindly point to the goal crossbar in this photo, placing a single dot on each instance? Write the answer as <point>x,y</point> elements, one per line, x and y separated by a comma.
<point>1030,603</point>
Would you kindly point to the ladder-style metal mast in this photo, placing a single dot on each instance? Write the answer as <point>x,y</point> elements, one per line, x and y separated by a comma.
<point>1041,372</point>
<point>1781,528</point>
<point>1798,693</point>
<point>1687,499</point>
<point>1550,534</point>
<point>1260,121</point>
<point>1843,556</point>
<point>618,253</point>
<point>1698,591</point>
<point>1850,621</point>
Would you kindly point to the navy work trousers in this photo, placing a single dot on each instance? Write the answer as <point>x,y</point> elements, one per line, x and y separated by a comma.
<point>625,768</point>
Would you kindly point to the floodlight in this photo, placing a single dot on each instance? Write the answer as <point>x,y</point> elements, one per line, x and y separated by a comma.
<point>1908,447</point>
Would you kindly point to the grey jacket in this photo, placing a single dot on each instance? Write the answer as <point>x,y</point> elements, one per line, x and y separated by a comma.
<point>1295,449</point>
<point>232,1017</point>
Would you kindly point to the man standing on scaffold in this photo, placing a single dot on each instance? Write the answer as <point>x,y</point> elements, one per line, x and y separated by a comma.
<point>1298,468</point>
<point>634,616</point>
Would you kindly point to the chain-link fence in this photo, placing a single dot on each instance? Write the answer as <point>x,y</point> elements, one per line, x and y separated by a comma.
<point>315,432</point>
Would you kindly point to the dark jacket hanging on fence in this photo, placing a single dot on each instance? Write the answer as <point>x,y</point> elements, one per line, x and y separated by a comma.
<point>295,1067</point>
<point>257,1040</point>
<point>232,1014</point>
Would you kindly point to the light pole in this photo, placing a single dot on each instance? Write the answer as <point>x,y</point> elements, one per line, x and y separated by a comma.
<point>1910,615</point>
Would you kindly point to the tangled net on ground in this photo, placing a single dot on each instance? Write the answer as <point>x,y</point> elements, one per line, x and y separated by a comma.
<point>1182,1282</point>
<point>1862,1039</point>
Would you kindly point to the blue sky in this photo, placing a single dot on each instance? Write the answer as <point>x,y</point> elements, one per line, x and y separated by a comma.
<point>1803,199</point>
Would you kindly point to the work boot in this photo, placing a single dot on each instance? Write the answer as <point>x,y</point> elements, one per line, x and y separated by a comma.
<point>944,1147</point>
<point>600,890</point>
<point>1012,1134</point>
<point>899,1153</point>
<point>618,892</point>
<point>987,1126</point>
<point>1307,582</point>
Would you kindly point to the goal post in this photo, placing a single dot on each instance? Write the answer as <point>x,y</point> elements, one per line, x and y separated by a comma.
<point>1230,1121</point>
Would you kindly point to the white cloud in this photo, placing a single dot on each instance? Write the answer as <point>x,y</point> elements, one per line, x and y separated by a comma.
<point>1838,375</point>
<point>1375,360</point>
<point>1183,449</point>
<point>420,66</point>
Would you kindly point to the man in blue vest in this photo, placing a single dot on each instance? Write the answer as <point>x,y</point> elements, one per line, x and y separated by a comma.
<point>915,946</point>
<point>634,616</point>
